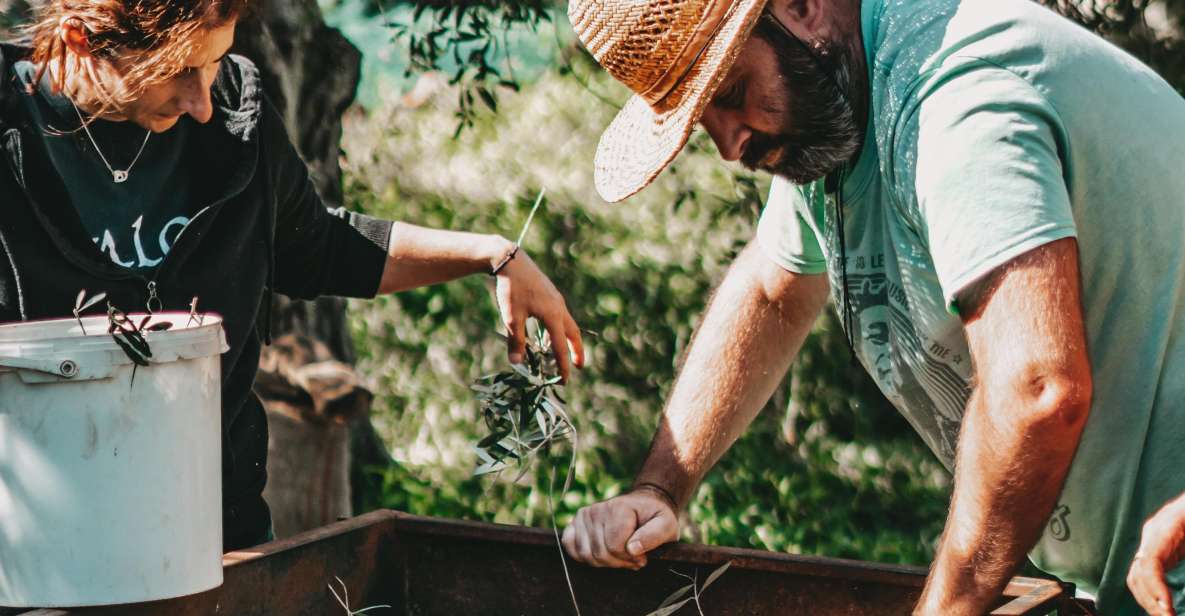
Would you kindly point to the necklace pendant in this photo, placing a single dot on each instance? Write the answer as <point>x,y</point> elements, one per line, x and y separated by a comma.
<point>119,176</point>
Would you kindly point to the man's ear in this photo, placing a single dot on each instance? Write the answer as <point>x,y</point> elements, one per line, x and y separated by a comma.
<point>74,35</point>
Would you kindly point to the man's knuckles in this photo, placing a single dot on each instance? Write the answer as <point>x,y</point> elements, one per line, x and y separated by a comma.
<point>569,539</point>
<point>608,513</point>
<point>616,537</point>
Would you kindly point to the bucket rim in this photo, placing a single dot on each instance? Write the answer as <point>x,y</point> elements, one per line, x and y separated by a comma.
<point>63,338</point>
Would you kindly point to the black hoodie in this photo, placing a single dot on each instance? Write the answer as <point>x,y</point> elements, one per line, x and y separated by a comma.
<point>261,228</point>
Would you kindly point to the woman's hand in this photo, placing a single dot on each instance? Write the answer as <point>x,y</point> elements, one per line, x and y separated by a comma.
<point>419,256</point>
<point>1162,546</point>
<point>524,291</point>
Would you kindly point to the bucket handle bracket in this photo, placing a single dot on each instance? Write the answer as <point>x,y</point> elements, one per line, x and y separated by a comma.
<point>64,368</point>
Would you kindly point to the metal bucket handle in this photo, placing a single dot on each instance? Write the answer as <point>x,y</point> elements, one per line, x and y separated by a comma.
<point>83,366</point>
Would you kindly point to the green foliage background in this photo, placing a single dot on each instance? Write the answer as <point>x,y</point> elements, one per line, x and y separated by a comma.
<point>828,468</point>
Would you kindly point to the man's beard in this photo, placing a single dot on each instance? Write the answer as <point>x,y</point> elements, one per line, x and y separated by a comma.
<point>823,131</point>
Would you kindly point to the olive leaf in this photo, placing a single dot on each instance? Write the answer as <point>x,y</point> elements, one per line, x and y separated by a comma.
<point>82,304</point>
<point>345,603</point>
<point>671,609</point>
<point>129,336</point>
<point>137,352</point>
<point>715,575</point>
<point>676,600</point>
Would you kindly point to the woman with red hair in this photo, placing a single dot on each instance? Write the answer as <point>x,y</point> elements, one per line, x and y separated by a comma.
<point>143,161</point>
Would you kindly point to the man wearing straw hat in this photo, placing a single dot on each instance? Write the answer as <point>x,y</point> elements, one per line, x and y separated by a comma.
<point>991,197</point>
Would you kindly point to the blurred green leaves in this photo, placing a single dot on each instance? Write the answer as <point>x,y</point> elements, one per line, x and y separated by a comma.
<point>467,41</point>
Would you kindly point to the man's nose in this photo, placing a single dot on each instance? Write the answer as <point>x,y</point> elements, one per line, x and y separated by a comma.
<point>730,134</point>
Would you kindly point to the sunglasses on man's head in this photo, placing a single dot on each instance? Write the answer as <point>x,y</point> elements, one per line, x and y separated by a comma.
<point>768,18</point>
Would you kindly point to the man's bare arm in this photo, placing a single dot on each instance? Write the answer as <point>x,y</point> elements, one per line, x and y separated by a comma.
<point>753,328</point>
<point>1021,426</point>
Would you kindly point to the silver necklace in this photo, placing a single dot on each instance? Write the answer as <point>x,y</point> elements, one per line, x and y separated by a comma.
<point>118,176</point>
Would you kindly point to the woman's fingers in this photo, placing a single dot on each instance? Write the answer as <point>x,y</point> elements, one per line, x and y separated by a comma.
<point>525,291</point>
<point>574,339</point>
<point>559,347</point>
<point>515,320</point>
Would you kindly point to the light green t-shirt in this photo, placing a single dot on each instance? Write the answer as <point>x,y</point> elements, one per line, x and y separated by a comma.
<point>997,126</point>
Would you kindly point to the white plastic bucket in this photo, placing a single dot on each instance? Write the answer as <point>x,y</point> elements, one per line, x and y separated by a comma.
<point>110,489</point>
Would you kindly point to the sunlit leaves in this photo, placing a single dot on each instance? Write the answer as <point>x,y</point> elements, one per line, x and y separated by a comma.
<point>523,411</point>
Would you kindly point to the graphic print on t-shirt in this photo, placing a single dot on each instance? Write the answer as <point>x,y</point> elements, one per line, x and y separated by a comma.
<point>137,247</point>
<point>919,377</point>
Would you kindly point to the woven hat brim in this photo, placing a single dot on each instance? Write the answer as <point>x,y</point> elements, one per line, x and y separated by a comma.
<point>641,142</point>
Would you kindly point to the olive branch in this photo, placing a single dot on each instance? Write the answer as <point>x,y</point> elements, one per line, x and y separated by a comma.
<point>524,413</point>
<point>128,334</point>
<point>679,598</point>
<point>345,603</point>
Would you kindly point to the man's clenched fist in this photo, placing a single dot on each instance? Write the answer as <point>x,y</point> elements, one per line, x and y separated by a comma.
<point>621,531</point>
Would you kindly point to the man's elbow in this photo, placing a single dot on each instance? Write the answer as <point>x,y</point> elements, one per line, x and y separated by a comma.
<point>1057,401</point>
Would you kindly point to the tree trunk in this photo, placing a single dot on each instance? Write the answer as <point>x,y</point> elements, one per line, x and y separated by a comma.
<point>310,73</point>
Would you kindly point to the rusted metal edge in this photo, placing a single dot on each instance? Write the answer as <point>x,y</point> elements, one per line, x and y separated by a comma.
<point>1031,595</point>
<point>374,518</point>
<point>778,562</point>
<point>243,559</point>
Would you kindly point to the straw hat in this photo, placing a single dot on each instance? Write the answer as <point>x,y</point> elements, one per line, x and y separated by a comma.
<point>673,54</point>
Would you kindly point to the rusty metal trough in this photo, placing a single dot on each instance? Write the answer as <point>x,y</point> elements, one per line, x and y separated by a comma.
<point>428,566</point>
